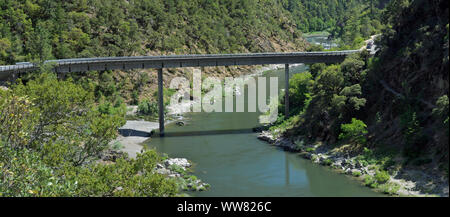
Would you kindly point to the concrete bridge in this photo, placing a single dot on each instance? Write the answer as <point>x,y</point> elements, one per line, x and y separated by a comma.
<point>63,66</point>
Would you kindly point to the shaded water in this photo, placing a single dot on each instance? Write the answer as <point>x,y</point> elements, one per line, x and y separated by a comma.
<point>229,156</point>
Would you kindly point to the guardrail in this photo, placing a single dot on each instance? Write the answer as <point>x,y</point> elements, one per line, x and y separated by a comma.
<point>175,61</point>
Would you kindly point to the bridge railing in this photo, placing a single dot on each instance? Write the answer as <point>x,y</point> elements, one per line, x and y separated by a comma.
<point>189,60</point>
<point>173,61</point>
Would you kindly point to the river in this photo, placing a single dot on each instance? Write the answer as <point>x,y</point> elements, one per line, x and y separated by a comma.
<point>227,155</point>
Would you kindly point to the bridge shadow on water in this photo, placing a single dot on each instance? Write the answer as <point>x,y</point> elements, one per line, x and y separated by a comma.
<point>138,133</point>
<point>131,132</point>
<point>205,133</point>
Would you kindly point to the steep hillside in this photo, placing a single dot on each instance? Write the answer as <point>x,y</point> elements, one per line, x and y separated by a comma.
<point>32,29</point>
<point>410,79</point>
<point>350,21</point>
<point>36,30</point>
<point>388,113</point>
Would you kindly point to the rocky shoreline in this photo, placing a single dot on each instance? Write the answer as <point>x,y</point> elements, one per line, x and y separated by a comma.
<point>180,169</point>
<point>403,182</point>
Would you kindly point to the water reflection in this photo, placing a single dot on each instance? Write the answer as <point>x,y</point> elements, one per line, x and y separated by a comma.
<point>286,165</point>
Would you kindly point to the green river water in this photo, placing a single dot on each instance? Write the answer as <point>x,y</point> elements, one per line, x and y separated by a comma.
<point>228,156</point>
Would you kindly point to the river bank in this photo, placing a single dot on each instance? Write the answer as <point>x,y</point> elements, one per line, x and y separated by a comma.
<point>130,141</point>
<point>397,182</point>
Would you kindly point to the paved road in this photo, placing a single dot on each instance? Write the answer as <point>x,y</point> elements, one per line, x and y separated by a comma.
<point>373,49</point>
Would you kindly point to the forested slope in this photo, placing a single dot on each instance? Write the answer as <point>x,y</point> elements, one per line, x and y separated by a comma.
<point>350,21</point>
<point>37,30</point>
<point>45,29</point>
<point>391,110</point>
<point>408,84</point>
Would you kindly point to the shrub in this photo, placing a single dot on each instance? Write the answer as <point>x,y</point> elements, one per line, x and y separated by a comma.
<point>356,173</point>
<point>327,162</point>
<point>299,89</point>
<point>382,177</point>
<point>131,177</point>
<point>59,119</point>
<point>67,126</point>
<point>148,108</point>
<point>390,188</point>
<point>310,149</point>
<point>441,112</point>
<point>370,181</point>
<point>412,131</point>
<point>24,174</point>
<point>108,108</point>
<point>135,97</point>
<point>16,119</point>
<point>354,131</point>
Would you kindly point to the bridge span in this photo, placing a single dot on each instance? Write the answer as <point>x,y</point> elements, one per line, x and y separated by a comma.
<point>63,66</point>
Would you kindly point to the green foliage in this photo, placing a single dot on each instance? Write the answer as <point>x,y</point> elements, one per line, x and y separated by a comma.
<point>327,162</point>
<point>40,30</point>
<point>178,169</point>
<point>51,135</point>
<point>132,177</point>
<point>353,69</point>
<point>107,85</point>
<point>441,112</point>
<point>66,125</point>
<point>414,137</point>
<point>330,99</point>
<point>416,48</point>
<point>16,119</point>
<point>370,181</point>
<point>344,19</point>
<point>328,82</point>
<point>299,92</point>
<point>356,173</point>
<point>282,125</point>
<point>380,180</point>
<point>316,68</point>
<point>380,157</point>
<point>355,131</point>
<point>382,177</point>
<point>147,107</point>
<point>310,149</point>
<point>135,97</point>
<point>25,175</point>
<point>390,188</point>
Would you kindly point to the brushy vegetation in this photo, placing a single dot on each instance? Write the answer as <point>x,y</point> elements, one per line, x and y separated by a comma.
<point>45,29</point>
<point>146,107</point>
<point>356,130</point>
<point>52,133</point>
<point>390,109</point>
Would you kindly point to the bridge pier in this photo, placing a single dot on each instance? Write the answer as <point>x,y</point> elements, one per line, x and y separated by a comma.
<point>286,91</point>
<point>160,102</point>
<point>13,77</point>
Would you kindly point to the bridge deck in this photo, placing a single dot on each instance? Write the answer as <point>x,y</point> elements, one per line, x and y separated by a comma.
<point>175,61</point>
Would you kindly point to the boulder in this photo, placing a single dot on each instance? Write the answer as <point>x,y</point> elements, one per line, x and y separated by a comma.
<point>181,162</point>
<point>180,123</point>
<point>266,136</point>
